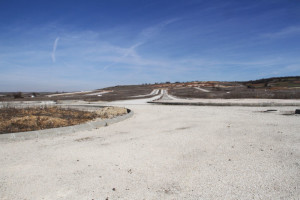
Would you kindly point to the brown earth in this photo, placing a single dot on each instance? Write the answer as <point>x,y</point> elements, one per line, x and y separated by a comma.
<point>30,119</point>
<point>110,112</point>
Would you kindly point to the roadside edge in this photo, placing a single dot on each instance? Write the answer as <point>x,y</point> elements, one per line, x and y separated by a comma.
<point>65,130</point>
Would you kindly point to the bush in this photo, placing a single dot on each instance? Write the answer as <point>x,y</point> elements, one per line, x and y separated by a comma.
<point>18,95</point>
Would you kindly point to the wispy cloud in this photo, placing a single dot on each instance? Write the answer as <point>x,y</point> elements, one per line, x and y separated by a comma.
<point>54,50</point>
<point>149,52</point>
<point>144,36</point>
<point>151,31</point>
<point>129,52</point>
<point>286,32</point>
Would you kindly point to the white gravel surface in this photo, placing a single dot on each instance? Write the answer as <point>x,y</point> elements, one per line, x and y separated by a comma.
<point>26,103</point>
<point>133,101</point>
<point>201,89</point>
<point>162,152</point>
<point>69,93</point>
<point>154,92</point>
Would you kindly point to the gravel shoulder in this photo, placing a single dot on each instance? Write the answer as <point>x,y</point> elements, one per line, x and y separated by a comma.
<point>162,152</point>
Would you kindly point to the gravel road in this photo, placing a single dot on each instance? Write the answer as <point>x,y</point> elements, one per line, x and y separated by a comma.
<point>162,152</point>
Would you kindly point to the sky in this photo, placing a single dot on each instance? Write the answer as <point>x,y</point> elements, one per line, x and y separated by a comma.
<point>84,45</point>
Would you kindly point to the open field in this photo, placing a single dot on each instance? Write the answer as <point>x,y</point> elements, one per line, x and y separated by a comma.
<point>235,93</point>
<point>273,88</point>
<point>105,94</point>
<point>163,152</point>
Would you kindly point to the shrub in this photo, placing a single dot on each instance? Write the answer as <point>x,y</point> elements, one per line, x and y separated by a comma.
<point>18,95</point>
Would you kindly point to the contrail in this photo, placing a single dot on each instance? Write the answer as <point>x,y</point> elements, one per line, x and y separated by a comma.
<point>129,52</point>
<point>54,49</point>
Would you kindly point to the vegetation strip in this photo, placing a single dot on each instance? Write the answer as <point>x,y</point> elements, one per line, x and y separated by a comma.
<point>37,119</point>
<point>64,130</point>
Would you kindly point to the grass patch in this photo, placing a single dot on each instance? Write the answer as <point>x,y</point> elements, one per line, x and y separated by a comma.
<point>14,119</point>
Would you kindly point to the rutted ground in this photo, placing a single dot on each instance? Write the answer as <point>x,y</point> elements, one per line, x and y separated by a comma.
<point>162,152</point>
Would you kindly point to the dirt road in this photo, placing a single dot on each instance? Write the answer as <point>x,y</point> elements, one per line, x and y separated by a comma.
<point>162,152</point>
<point>201,89</point>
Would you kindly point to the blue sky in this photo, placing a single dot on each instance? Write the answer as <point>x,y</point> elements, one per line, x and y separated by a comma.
<point>83,45</point>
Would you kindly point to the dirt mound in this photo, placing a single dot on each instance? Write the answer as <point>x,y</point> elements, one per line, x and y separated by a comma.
<point>29,119</point>
<point>110,112</point>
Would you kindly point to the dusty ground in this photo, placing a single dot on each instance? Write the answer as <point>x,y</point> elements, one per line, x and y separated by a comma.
<point>14,119</point>
<point>162,152</point>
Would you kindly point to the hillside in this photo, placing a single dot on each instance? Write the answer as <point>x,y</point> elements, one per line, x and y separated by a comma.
<point>269,88</point>
<point>290,82</point>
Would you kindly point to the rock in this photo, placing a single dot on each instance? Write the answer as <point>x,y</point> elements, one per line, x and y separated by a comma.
<point>271,110</point>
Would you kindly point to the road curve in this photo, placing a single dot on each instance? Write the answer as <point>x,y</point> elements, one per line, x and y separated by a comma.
<point>162,152</point>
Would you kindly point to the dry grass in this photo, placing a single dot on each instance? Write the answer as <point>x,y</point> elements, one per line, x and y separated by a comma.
<point>236,93</point>
<point>37,118</point>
